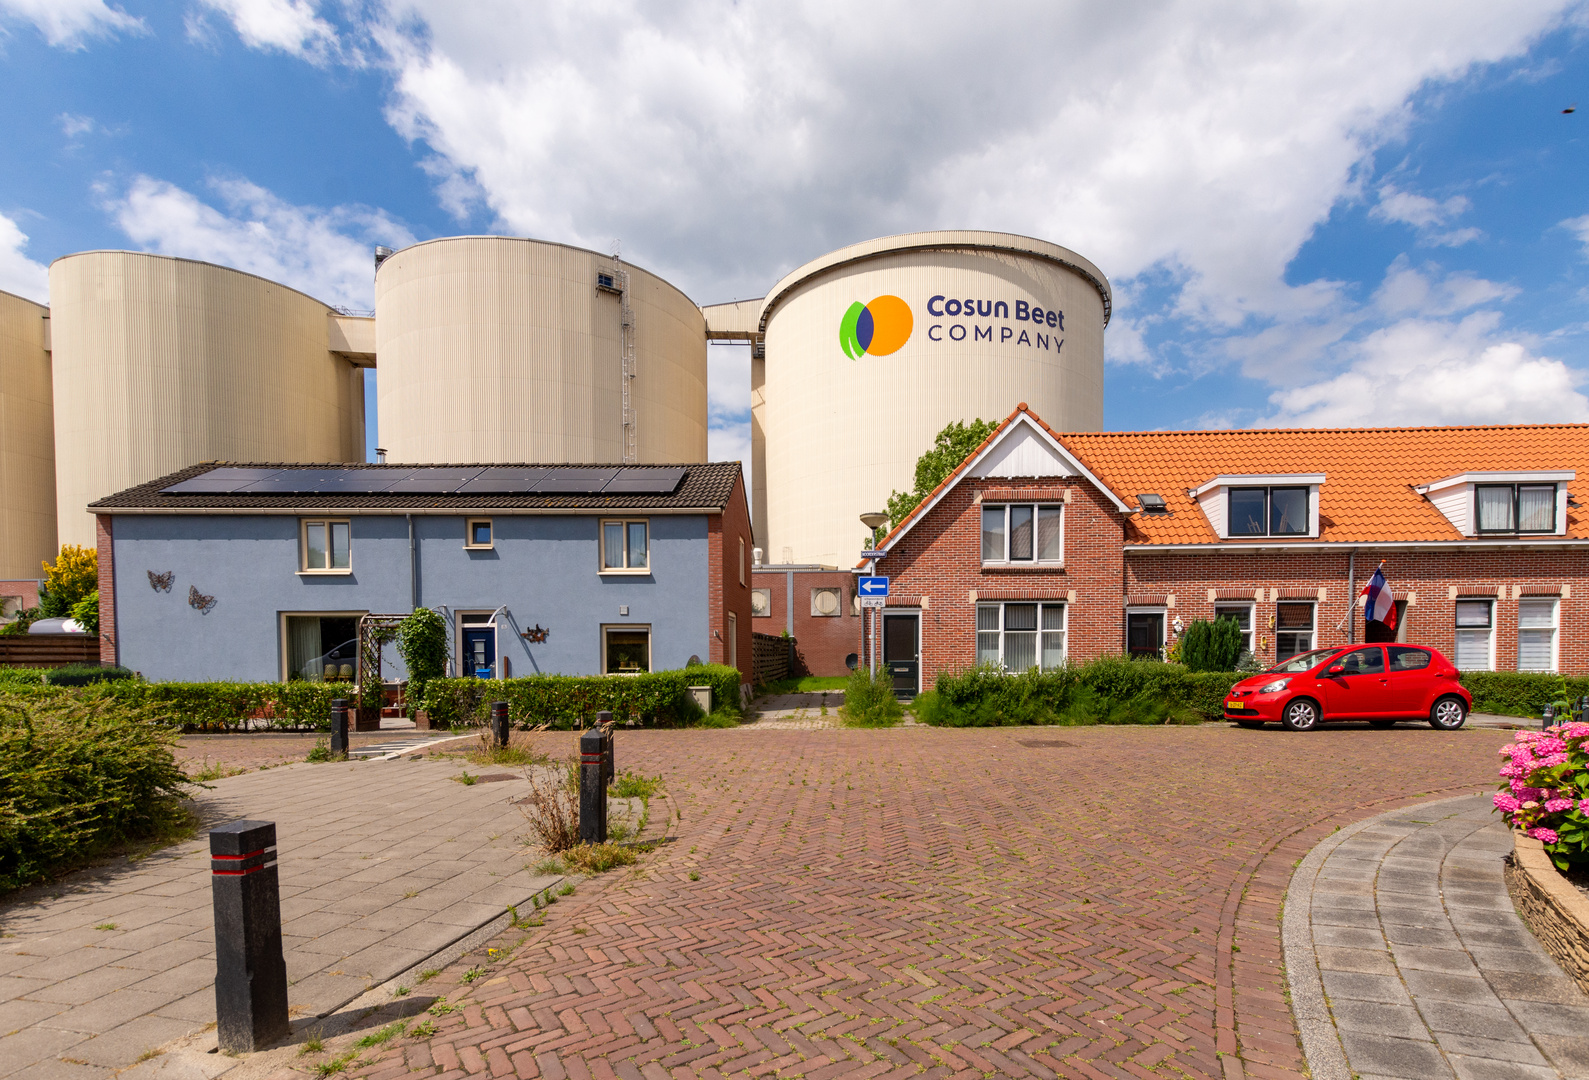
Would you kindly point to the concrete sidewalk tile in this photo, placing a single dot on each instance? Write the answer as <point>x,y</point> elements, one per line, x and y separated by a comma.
<point>1485,1022</point>
<point>1524,961</point>
<point>66,965</point>
<point>1367,961</point>
<point>1468,1068</point>
<point>1422,958</point>
<point>89,985</point>
<point>104,1013</point>
<point>1411,914</point>
<point>17,1013</point>
<point>1393,1057</point>
<point>1476,1046</point>
<point>1328,915</point>
<point>198,1008</point>
<point>14,986</point>
<point>1361,987</point>
<point>1349,937</point>
<point>1440,986</point>
<point>122,1045</point>
<point>57,1069</point>
<point>1505,937</point>
<point>1438,937</point>
<point>1525,987</point>
<point>34,1044</point>
<point>182,979</point>
<point>1569,1053</point>
<point>1544,1018</point>
<point>1377,1018</point>
<point>166,956</point>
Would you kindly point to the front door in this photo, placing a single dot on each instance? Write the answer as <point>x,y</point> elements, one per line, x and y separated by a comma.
<point>902,653</point>
<point>1145,634</point>
<point>1359,688</point>
<point>479,652</point>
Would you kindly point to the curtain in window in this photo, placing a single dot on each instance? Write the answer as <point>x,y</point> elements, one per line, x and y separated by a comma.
<point>987,634</point>
<point>1473,650</point>
<point>303,648</point>
<point>1536,508</point>
<point>1053,636</point>
<point>1020,636</point>
<point>1536,635</point>
<point>637,547</point>
<point>612,545</point>
<point>1495,508</point>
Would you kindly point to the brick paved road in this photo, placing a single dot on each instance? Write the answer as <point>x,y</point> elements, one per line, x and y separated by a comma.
<point>926,902</point>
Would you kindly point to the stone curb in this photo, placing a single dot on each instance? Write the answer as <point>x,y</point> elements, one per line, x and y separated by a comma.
<point>1321,1044</point>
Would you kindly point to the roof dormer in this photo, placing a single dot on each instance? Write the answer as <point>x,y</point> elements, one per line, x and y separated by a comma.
<point>1510,503</point>
<point>1280,506</point>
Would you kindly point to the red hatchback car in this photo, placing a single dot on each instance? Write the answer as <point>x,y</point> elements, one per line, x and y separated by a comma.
<point>1377,683</point>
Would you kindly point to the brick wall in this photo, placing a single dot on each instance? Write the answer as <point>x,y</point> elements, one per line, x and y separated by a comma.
<point>821,641</point>
<point>729,539</point>
<point>108,639</point>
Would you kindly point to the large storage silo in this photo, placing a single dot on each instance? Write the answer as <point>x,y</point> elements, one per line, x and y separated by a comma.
<point>160,362</point>
<point>871,350</point>
<point>501,349</point>
<point>27,440</point>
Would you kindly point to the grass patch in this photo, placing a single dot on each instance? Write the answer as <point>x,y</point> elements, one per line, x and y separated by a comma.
<point>441,1008</point>
<point>567,889</point>
<point>805,684</point>
<point>719,719</point>
<point>596,859</point>
<point>340,1063</point>
<point>312,1045</point>
<point>869,702</point>
<point>424,1031</point>
<point>428,974</point>
<point>385,1034</point>
<point>487,752</point>
<point>630,785</point>
<point>218,771</point>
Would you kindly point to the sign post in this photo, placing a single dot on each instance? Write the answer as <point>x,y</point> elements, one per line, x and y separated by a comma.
<point>873,592</point>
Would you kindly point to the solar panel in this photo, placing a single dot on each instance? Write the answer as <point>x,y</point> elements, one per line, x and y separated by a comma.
<point>644,482</point>
<point>289,484</point>
<point>574,481</point>
<point>357,481</point>
<point>503,481</point>
<point>217,481</point>
<point>441,480</point>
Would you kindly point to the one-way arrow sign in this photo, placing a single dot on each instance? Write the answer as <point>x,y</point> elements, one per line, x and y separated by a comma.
<point>872,586</point>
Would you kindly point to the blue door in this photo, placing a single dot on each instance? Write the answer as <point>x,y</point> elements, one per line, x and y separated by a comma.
<point>479,653</point>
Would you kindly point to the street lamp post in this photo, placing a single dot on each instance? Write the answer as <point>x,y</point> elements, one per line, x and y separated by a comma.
<point>873,522</point>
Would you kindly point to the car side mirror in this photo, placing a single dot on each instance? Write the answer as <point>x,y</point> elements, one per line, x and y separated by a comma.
<point>1337,669</point>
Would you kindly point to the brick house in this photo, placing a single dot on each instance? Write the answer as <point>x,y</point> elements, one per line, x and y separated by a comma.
<point>815,605</point>
<point>1046,546</point>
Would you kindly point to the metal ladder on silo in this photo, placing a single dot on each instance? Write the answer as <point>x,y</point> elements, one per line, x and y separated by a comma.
<point>620,278</point>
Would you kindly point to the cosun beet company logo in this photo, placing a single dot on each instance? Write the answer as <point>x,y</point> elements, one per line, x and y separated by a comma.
<point>875,329</point>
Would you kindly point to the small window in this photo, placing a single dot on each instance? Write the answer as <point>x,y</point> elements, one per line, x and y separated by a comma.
<point>1293,630</point>
<point>733,640</point>
<point>1241,615</point>
<point>1475,635</point>
<point>1018,637</point>
<point>1536,635</point>
<point>1516,508</point>
<point>628,650</point>
<point>479,533</point>
<point>826,602</point>
<point>761,603</point>
<point>742,560</point>
<point>624,546</point>
<point>326,546</point>
<point>1264,511</point>
<point>1023,534</point>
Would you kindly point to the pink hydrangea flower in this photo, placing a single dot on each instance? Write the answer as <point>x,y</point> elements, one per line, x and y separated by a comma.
<point>1556,806</point>
<point>1583,806</point>
<point>1543,834</point>
<point>1508,803</point>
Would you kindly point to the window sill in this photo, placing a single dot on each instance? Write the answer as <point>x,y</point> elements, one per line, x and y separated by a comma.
<point>326,573</point>
<point>1024,568</point>
<point>479,547</point>
<point>644,571</point>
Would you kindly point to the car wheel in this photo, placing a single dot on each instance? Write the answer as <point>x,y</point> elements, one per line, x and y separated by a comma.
<point>1448,714</point>
<point>1301,715</point>
<point>1382,723</point>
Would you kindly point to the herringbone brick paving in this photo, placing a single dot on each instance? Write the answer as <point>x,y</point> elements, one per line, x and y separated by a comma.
<point>937,903</point>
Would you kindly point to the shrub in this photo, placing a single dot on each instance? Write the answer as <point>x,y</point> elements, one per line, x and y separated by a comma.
<point>74,575</point>
<point>551,809</point>
<point>1518,693</point>
<point>1211,646</point>
<point>1109,690</point>
<point>86,612</point>
<point>422,643</point>
<point>870,702</point>
<point>24,619</point>
<point>569,701</point>
<point>85,674</point>
<point>1545,790</point>
<point>79,775</point>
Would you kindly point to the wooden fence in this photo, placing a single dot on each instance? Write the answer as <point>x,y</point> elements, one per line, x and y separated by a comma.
<point>773,656</point>
<point>48,650</point>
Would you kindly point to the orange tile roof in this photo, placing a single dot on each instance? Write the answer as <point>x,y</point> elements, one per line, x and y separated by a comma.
<point>1368,494</point>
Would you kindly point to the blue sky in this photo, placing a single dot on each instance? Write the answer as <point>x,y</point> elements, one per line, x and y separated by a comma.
<point>1374,214</point>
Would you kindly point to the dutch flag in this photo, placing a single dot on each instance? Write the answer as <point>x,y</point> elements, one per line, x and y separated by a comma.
<point>1379,603</point>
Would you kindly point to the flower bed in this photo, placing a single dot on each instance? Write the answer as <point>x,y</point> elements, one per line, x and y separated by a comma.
<point>1545,790</point>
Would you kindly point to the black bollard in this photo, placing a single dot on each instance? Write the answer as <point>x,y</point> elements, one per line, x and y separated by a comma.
<point>250,974</point>
<point>339,725</point>
<point>593,757</point>
<point>499,722</point>
<point>604,721</point>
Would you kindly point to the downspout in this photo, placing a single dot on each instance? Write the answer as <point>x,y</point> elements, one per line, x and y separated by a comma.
<point>1351,597</point>
<point>413,568</point>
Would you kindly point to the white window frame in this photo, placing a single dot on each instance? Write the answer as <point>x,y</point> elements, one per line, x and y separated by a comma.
<point>1213,498</point>
<point>1312,632</point>
<point>1162,611</point>
<point>303,545</point>
<point>601,553</point>
<point>1042,606</point>
<point>1489,631</point>
<point>1037,509</point>
<point>286,651</point>
<point>629,628</point>
<point>1252,617</point>
<point>1554,628</point>
<point>468,534</point>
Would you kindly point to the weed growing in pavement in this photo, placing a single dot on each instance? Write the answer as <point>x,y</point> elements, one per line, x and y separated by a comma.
<point>596,859</point>
<point>551,809</point>
<point>466,779</point>
<point>441,1008</point>
<point>554,865</point>
<point>428,974</point>
<point>718,720</point>
<point>695,875</point>
<point>424,1031</point>
<point>487,752</point>
<point>312,1045</point>
<point>869,701</point>
<point>567,889</point>
<point>631,785</point>
<point>401,991</point>
<point>340,1063</point>
<point>214,772</point>
<point>410,894</point>
<point>473,973</point>
<point>321,752</point>
<point>385,1034</point>
<point>105,926</point>
<point>618,832</point>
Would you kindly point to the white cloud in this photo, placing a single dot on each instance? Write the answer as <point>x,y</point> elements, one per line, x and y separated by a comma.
<point>1427,291</point>
<point>728,143</point>
<point>73,125</point>
<point>325,253</point>
<point>19,274</point>
<point>1425,215</point>
<point>67,23</point>
<point>1579,227</point>
<point>1422,371</point>
<point>291,26</point>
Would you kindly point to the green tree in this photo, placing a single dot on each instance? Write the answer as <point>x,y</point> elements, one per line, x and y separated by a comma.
<point>952,446</point>
<point>422,643</point>
<point>86,611</point>
<point>74,575</point>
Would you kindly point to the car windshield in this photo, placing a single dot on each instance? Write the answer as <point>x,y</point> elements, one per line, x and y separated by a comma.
<point>1301,661</point>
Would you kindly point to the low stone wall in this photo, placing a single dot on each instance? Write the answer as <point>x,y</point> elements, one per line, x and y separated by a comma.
<point>1555,911</point>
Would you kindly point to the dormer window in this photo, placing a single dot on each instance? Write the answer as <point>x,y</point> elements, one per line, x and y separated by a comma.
<point>1515,508</point>
<point>1253,506</point>
<point>1268,511</point>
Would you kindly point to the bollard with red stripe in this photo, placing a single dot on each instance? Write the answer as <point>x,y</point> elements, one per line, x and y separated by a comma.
<point>250,972</point>
<point>595,772</point>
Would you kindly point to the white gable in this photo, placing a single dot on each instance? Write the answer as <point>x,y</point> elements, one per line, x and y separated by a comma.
<point>1024,451</point>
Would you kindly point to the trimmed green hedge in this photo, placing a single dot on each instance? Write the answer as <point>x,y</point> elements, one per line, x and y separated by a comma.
<point>569,701</point>
<point>1109,690</point>
<point>1518,693</point>
<point>80,774</point>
